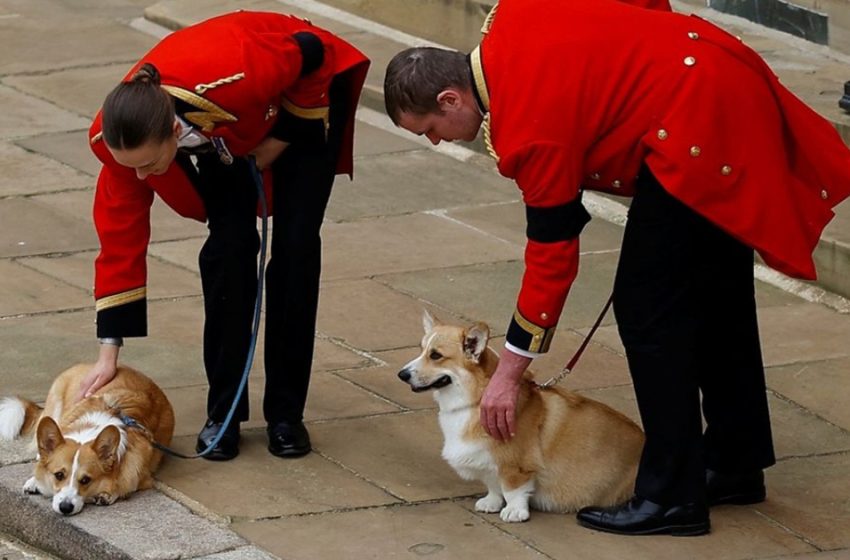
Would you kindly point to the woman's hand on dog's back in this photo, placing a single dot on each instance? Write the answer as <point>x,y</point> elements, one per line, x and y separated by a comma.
<point>102,373</point>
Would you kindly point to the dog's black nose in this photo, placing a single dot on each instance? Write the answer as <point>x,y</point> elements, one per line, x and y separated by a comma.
<point>66,507</point>
<point>404,375</point>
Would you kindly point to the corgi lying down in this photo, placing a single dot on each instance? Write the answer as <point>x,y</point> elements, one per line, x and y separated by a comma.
<point>568,452</point>
<point>85,452</point>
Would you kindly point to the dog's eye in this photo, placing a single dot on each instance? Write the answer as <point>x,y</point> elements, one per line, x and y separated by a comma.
<point>85,480</point>
<point>434,355</point>
<point>60,476</point>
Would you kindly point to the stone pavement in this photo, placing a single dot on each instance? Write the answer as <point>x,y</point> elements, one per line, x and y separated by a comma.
<point>418,228</point>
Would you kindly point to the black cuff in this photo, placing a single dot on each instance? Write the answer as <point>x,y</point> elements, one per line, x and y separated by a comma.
<point>525,335</point>
<point>556,223</point>
<point>312,51</point>
<point>126,320</point>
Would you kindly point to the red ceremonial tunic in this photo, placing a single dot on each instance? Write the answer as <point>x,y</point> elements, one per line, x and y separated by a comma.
<point>582,94</point>
<point>238,74</point>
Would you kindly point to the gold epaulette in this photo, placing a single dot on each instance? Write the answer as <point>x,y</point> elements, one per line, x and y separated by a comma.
<point>209,113</point>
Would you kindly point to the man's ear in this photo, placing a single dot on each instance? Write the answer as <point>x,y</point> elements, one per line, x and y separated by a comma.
<point>449,100</point>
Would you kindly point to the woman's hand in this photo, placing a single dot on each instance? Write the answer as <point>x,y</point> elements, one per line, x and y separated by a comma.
<point>267,151</point>
<point>102,373</point>
<point>498,404</point>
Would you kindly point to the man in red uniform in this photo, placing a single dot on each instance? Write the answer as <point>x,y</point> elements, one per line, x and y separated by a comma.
<point>181,125</point>
<point>720,159</point>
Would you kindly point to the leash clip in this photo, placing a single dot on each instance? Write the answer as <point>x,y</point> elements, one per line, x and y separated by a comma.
<point>223,153</point>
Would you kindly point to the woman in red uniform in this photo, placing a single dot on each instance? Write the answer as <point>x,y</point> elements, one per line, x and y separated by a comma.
<point>720,158</point>
<point>181,125</point>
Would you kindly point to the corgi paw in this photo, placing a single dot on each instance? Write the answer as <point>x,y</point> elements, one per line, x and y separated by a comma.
<point>514,514</point>
<point>104,499</point>
<point>31,486</point>
<point>489,504</point>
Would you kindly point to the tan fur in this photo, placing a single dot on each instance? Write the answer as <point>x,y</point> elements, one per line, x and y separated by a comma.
<point>575,451</point>
<point>103,473</point>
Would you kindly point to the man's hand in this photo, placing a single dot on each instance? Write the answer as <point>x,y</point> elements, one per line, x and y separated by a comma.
<point>498,404</point>
<point>267,151</point>
<point>102,373</point>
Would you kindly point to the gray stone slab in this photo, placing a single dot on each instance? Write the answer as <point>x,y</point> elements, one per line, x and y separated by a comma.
<point>797,432</point>
<point>385,245</point>
<point>70,148</point>
<point>414,181</point>
<point>27,173</point>
<point>823,388</point>
<point>440,531</point>
<point>259,485</point>
<point>19,450</point>
<point>39,44</point>
<point>370,140</point>
<point>164,279</point>
<point>384,450</point>
<point>242,553</point>
<point>35,226</point>
<point>803,333</point>
<point>33,116</point>
<point>23,290</point>
<point>17,551</point>
<point>79,90</point>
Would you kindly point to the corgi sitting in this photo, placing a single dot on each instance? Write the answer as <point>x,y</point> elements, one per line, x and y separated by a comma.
<point>568,452</point>
<point>86,453</point>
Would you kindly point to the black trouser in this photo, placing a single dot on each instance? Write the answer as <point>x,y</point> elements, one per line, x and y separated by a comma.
<point>303,177</point>
<point>685,306</point>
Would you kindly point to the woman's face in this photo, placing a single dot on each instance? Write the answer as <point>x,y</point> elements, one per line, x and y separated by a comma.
<point>151,158</point>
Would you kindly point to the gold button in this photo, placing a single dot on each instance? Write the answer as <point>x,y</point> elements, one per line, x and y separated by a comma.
<point>690,61</point>
<point>537,337</point>
<point>693,35</point>
<point>726,170</point>
<point>824,195</point>
<point>662,134</point>
<point>595,176</point>
<point>616,183</point>
<point>695,151</point>
<point>544,316</point>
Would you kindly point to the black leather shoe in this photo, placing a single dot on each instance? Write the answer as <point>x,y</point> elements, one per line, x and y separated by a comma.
<point>739,489</point>
<point>288,439</point>
<point>642,517</point>
<point>228,445</point>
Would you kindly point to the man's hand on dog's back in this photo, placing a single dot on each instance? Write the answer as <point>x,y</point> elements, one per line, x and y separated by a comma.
<point>102,373</point>
<point>498,404</point>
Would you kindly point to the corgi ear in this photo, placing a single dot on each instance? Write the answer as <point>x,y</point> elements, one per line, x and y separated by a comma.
<point>106,446</point>
<point>48,436</point>
<point>475,341</point>
<point>429,321</point>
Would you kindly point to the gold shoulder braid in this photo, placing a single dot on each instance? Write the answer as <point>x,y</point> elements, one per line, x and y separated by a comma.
<point>200,89</point>
<point>209,113</point>
<point>488,21</point>
<point>480,85</point>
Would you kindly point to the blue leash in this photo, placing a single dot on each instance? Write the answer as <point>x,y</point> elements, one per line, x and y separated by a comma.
<point>132,423</point>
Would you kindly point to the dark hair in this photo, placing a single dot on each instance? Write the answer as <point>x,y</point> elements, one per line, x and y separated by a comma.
<point>416,76</point>
<point>138,111</point>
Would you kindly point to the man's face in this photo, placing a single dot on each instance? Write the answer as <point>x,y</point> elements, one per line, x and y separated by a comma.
<point>454,124</point>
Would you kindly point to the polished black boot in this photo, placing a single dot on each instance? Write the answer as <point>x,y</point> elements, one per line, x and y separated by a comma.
<point>227,447</point>
<point>288,439</point>
<point>739,489</point>
<point>642,517</point>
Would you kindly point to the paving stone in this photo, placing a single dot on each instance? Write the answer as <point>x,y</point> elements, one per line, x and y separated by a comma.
<point>370,140</point>
<point>31,50</point>
<point>737,533</point>
<point>33,116</point>
<point>383,245</point>
<point>802,333</point>
<point>811,497</point>
<point>258,485</point>
<point>414,181</point>
<point>70,148</point>
<point>19,450</point>
<point>821,387</point>
<point>394,318</point>
<point>27,173</point>
<point>441,531</point>
<point>241,553</point>
<point>798,432</point>
<point>25,220</point>
<point>398,452</point>
<point>27,291</point>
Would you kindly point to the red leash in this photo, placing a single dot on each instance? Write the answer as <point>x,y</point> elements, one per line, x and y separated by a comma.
<point>571,364</point>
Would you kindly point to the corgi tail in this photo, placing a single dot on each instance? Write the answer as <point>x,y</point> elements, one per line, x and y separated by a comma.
<point>17,417</point>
